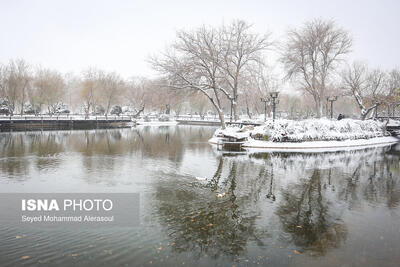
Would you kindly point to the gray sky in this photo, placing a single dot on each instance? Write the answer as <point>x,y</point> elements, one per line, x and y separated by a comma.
<point>119,35</point>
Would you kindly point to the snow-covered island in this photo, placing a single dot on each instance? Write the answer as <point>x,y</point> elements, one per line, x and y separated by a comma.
<point>321,134</point>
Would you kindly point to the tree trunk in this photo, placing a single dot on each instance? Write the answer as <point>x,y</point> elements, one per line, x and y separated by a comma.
<point>366,111</point>
<point>139,111</point>
<point>247,108</point>
<point>318,106</point>
<point>321,108</point>
<point>217,105</point>
<point>235,113</point>
<point>220,115</point>
<point>22,103</point>
<point>222,118</point>
<point>87,110</point>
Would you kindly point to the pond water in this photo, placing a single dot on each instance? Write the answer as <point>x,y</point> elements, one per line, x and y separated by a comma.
<point>279,209</point>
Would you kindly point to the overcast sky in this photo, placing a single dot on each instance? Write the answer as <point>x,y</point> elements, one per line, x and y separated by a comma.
<point>119,35</point>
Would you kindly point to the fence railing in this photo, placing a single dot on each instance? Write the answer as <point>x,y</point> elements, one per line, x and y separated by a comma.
<point>199,118</point>
<point>389,117</point>
<point>64,117</point>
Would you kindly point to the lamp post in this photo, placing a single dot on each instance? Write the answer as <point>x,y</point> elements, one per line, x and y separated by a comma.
<point>274,101</point>
<point>265,100</point>
<point>331,99</point>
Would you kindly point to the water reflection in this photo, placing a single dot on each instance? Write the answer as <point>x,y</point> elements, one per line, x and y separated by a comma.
<point>24,153</point>
<point>198,221</point>
<point>308,194</point>
<point>307,214</point>
<point>271,204</point>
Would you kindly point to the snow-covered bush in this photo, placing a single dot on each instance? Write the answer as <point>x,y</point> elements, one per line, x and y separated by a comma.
<point>116,110</point>
<point>313,130</point>
<point>163,117</point>
<point>126,109</point>
<point>99,110</point>
<point>146,118</point>
<point>31,109</point>
<point>62,110</point>
<point>4,106</point>
<point>58,108</point>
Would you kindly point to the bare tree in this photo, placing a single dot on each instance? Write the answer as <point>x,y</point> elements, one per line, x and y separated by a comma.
<point>111,86</point>
<point>3,83</point>
<point>194,63</point>
<point>14,83</point>
<point>158,96</point>
<point>73,88</point>
<point>264,80</point>
<point>50,88</point>
<point>136,90</point>
<point>392,99</point>
<point>241,49</point>
<point>367,87</point>
<point>199,103</point>
<point>23,78</point>
<point>89,90</point>
<point>311,55</point>
<point>260,82</point>
<point>377,87</point>
<point>178,99</point>
<point>153,94</point>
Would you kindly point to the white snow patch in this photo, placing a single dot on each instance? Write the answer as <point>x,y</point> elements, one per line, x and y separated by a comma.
<point>310,134</point>
<point>332,145</point>
<point>156,123</point>
<point>393,123</point>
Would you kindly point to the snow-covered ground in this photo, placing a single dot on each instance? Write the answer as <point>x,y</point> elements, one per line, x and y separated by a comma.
<point>393,123</point>
<point>156,123</point>
<point>316,135</point>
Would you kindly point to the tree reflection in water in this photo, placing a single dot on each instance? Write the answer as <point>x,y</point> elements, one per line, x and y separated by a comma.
<point>198,221</point>
<point>102,150</point>
<point>18,147</point>
<point>305,212</point>
<point>297,201</point>
<point>307,193</point>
